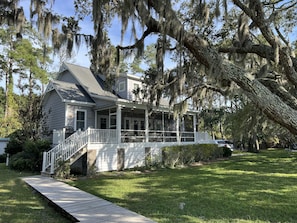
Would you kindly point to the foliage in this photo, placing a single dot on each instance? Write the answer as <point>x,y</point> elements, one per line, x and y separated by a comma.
<point>3,158</point>
<point>26,60</point>
<point>218,46</point>
<point>21,203</point>
<point>30,158</point>
<point>227,152</point>
<point>63,170</point>
<point>183,155</point>
<point>16,142</point>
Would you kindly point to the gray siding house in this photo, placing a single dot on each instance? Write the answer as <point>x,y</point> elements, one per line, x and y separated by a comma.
<point>109,130</point>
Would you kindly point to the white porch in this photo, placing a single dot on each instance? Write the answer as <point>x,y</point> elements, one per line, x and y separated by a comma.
<point>107,150</point>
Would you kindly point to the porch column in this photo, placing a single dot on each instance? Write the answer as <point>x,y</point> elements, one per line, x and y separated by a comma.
<point>119,124</point>
<point>163,127</point>
<point>194,128</point>
<point>146,125</point>
<point>177,129</point>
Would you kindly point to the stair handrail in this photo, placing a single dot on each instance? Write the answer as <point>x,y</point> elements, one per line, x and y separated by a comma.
<point>65,150</point>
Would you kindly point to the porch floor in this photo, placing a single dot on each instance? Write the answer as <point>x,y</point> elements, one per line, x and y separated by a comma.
<point>82,206</point>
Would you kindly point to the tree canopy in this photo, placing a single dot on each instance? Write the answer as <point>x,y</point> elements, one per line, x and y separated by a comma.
<point>219,45</point>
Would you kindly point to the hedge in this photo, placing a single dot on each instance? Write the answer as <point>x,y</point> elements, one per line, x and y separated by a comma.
<point>186,154</point>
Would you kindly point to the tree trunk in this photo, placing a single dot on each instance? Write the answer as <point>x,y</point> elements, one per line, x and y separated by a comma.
<point>222,70</point>
<point>273,106</point>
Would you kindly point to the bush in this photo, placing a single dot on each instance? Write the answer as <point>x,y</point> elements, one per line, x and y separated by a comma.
<point>31,156</point>
<point>187,154</point>
<point>64,170</point>
<point>2,158</point>
<point>227,152</point>
<point>16,142</point>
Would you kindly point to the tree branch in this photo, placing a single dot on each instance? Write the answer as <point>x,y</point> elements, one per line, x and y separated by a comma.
<point>147,32</point>
<point>264,51</point>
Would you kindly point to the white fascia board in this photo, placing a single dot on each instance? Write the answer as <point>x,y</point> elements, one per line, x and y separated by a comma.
<point>104,97</point>
<point>73,102</point>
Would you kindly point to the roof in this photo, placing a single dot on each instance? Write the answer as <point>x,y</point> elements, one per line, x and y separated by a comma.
<point>87,80</point>
<point>71,92</point>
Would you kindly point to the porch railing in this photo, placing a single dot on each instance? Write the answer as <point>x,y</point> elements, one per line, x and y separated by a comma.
<point>102,136</point>
<point>71,145</point>
<point>156,136</point>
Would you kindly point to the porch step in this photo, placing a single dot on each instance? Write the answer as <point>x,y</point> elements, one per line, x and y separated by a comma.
<point>46,174</point>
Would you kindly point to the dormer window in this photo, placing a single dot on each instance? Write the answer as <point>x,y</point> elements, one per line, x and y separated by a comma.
<point>122,86</point>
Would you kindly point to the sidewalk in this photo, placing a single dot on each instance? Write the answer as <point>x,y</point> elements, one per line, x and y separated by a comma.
<point>82,206</point>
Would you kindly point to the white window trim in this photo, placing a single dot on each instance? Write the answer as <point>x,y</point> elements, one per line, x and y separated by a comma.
<point>75,121</point>
<point>122,86</point>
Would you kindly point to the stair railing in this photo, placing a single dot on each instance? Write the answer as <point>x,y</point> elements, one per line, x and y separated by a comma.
<point>65,150</point>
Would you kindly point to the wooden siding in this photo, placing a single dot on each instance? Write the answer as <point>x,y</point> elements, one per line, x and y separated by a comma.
<point>67,77</point>
<point>130,88</point>
<point>71,115</point>
<point>54,110</point>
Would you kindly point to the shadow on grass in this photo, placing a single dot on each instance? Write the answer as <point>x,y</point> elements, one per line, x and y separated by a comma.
<point>260,187</point>
<point>20,204</point>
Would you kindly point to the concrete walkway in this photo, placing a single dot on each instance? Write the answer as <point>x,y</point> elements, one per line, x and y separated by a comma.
<point>80,205</point>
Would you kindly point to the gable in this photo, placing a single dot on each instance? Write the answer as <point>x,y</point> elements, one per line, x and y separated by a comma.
<point>68,92</point>
<point>87,80</point>
<point>72,92</point>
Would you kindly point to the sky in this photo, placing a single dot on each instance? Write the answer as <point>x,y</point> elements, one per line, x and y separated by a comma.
<point>66,8</point>
<point>80,56</point>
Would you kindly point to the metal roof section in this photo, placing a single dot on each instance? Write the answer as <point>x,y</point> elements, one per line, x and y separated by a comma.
<point>88,81</point>
<point>71,92</point>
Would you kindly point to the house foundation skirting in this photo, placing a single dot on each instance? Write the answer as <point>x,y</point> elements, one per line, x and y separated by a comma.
<point>113,157</point>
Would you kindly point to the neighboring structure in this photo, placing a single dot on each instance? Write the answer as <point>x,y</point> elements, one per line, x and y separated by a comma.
<point>112,130</point>
<point>3,144</point>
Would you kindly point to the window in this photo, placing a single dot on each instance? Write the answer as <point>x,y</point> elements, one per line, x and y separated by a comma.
<point>121,86</point>
<point>142,125</point>
<point>80,120</point>
<point>127,124</point>
<point>113,121</point>
<point>103,123</point>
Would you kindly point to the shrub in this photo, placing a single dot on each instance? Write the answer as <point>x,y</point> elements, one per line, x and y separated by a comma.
<point>16,142</point>
<point>186,154</point>
<point>63,171</point>
<point>2,158</point>
<point>31,156</point>
<point>227,152</point>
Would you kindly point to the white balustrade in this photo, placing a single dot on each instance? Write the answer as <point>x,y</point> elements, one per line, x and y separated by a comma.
<point>71,145</point>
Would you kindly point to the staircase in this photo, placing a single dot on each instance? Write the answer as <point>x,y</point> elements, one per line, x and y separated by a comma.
<point>70,149</point>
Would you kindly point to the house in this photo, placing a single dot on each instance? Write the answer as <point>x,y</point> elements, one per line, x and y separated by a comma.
<point>108,129</point>
<point>3,144</point>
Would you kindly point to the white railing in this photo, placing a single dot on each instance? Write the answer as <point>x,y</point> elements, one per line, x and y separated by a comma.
<point>64,150</point>
<point>203,136</point>
<point>71,145</point>
<point>58,136</point>
<point>102,136</point>
<point>156,136</point>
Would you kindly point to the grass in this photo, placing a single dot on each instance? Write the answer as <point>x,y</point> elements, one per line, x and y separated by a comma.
<point>19,204</point>
<point>251,188</point>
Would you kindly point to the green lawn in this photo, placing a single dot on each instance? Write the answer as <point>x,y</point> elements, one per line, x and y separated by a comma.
<point>19,204</point>
<point>251,188</point>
